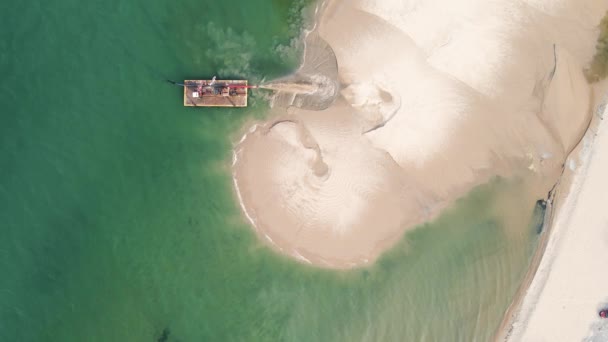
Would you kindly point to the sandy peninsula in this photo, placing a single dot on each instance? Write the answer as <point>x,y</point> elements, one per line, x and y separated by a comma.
<point>433,97</point>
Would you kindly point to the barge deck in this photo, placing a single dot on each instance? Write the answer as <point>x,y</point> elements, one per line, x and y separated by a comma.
<point>215,93</point>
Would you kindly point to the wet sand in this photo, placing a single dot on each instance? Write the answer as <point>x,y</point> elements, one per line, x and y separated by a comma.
<point>453,94</point>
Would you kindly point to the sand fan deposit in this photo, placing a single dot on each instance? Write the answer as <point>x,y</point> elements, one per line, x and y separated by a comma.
<point>426,100</point>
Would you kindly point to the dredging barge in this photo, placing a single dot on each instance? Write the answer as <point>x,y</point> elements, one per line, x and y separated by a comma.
<point>216,93</point>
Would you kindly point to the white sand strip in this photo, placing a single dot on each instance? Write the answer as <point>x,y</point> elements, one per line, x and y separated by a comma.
<point>571,284</point>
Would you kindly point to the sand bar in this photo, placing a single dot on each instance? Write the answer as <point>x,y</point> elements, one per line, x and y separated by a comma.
<point>453,94</point>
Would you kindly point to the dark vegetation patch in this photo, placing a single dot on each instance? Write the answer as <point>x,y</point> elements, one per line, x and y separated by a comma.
<point>598,69</point>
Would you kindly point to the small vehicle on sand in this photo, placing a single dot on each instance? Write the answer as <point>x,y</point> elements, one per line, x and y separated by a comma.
<point>604,313</point>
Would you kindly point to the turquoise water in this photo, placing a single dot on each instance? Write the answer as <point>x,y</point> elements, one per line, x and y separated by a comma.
<point>117,217</point>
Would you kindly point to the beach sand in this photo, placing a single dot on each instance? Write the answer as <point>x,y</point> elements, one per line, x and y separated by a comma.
<point>569,287</point>
<point>435,98</point>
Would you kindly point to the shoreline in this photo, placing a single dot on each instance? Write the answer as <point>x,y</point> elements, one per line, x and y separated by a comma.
<point>250,126</point>
<point>566,187</point>
<point>517,316</point>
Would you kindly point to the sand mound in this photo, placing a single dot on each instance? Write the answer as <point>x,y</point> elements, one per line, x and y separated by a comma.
<point>309,176</point>
<point>435,97</point>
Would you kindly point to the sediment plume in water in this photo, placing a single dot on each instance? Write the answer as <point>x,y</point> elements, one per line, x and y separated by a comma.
<point>431,98</point>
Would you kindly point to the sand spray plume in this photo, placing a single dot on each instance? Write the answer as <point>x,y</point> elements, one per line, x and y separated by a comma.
<point>314,85</point>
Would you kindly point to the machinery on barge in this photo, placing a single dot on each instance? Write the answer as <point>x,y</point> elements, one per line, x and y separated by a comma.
<point>215,93</point>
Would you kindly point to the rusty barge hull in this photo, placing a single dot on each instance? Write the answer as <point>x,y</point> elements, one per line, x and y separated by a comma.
<point>218,93</point>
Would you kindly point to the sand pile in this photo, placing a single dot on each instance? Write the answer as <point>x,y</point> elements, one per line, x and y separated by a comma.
<point>434,98</point>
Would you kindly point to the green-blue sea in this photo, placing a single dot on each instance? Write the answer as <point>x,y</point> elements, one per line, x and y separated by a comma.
<point>117,216</point>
